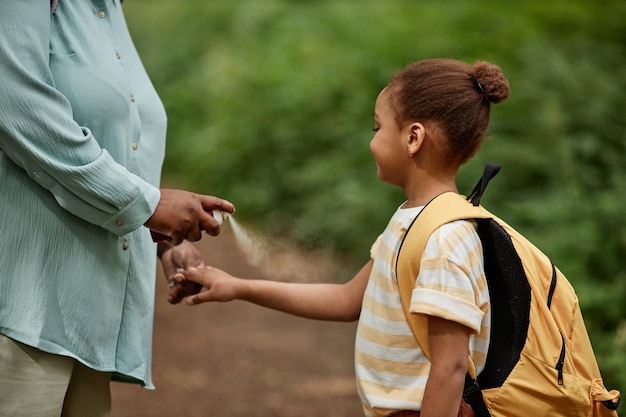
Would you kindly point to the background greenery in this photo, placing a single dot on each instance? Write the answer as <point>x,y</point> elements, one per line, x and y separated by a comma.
<point>270,105</point>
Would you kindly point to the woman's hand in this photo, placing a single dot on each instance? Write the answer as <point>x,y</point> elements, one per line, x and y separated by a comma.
<point>176,258</point>
<point>184,215</point>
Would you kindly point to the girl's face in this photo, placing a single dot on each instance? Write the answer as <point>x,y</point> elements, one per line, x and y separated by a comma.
<point>387,145</point>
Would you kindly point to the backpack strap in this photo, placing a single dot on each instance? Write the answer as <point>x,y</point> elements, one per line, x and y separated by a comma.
<point>490,171</point>
<point>444,208</point>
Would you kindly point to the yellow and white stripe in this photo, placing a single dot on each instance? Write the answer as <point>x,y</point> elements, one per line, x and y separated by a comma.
<point>391,369</point>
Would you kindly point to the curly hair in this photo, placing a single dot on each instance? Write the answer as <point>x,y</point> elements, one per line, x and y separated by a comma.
<point>454,95</point>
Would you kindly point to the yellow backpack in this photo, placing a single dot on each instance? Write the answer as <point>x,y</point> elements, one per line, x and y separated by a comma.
<point>540,361</point>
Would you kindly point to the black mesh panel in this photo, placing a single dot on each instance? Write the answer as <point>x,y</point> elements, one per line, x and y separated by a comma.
<point>509,292</point>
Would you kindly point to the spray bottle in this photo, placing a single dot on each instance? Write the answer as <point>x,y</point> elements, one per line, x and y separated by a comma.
<point>220,216</point>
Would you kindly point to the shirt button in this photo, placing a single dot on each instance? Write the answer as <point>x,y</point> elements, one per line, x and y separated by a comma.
<point>125,245</point>
<point>117,54</point>
<point>119,223</point>
<point>134,146</point>
<point>102,14</point>
<point>132,98</point>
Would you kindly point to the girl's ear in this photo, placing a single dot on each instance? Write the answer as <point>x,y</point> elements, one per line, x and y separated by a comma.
<point>416,136</point>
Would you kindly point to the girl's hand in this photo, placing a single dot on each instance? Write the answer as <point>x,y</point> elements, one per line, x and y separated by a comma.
<point>176,258</point>
<point>220,286</point>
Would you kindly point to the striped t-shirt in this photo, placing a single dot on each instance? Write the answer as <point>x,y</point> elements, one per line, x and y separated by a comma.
<point>391,369</point>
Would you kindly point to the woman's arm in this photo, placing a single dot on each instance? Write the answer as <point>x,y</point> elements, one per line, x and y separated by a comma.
<point>38,131</point>
<point>325,301</point>
<point>449,355</point>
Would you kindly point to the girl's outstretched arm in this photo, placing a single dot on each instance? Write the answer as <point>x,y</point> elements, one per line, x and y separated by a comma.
<point>321,301</point>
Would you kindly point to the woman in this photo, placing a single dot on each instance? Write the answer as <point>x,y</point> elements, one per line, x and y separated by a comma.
<point>82,140</point>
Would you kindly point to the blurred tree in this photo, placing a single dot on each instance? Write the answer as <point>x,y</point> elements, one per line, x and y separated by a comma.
<point>270,105</point>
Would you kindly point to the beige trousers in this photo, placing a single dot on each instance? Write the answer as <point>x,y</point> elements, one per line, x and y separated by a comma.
<point>34,383</point>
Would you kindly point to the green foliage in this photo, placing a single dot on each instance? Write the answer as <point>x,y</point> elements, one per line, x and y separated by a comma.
<point>270,106</point>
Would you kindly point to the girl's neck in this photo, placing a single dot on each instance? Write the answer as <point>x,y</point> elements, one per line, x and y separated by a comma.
<point>422,190</point>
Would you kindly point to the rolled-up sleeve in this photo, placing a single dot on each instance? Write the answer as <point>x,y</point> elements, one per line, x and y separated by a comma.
<point>39,134</point>
<point>451,298</point>
<point>451,283</point>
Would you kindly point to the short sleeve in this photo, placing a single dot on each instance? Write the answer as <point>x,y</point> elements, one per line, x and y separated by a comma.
<point>375,246</point>
<point>451,283</point>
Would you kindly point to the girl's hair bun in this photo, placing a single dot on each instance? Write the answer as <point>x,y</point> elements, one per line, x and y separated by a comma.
<point>491,82</point>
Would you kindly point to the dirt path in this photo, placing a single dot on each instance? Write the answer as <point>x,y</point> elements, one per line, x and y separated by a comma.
<point>239,360</point>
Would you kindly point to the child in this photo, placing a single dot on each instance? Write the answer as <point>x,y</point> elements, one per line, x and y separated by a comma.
<point>430,119</point>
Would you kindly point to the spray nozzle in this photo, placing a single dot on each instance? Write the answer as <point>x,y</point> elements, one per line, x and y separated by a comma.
<point>220,216</point>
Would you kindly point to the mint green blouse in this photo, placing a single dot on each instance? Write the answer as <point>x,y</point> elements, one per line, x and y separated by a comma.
<point>82,141</point>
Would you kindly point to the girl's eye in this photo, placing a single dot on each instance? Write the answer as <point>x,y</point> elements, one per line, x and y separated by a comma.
<point>376,129</point>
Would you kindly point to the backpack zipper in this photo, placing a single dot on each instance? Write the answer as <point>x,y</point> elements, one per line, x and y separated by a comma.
<point>561,362</point>
<point>552,286</point>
